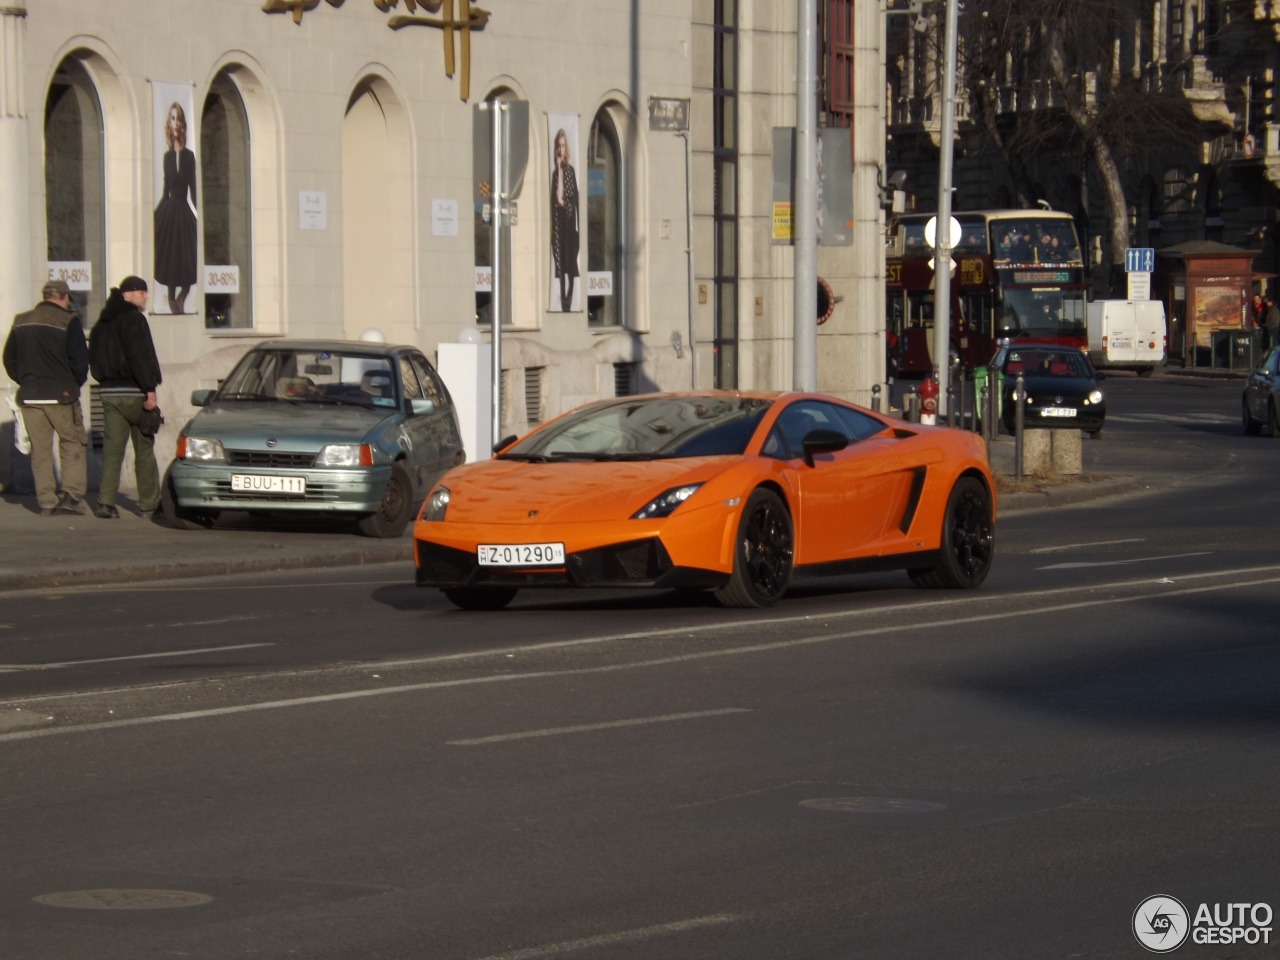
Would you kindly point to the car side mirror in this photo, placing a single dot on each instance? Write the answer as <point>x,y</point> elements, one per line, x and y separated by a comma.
<point>420,406</point>
<point>201,398</point>
<point>822,441</point>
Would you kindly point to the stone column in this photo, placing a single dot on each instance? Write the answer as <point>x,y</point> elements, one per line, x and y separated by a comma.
<point>15,200</point>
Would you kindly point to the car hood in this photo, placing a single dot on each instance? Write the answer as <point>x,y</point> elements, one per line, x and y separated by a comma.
<point>294,426</point>
<point>506,491</point>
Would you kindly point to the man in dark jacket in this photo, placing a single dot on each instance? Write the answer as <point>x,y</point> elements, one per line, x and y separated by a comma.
<point>123,360</point>
<point>46,356</point>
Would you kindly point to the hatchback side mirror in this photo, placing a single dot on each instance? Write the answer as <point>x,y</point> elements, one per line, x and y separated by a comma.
<point>420,406</point>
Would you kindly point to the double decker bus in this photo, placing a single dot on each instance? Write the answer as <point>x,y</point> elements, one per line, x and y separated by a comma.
<point>1018,274</point>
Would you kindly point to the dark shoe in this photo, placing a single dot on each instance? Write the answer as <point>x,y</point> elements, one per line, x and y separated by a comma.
<point>71,505</point>
<point>106,511</point>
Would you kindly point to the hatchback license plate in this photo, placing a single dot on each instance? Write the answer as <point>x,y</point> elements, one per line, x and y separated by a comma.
<point>1058,411</point>
<point>520,554</point>
<point>256,483</point>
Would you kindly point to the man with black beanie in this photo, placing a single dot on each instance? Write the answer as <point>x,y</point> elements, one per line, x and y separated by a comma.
<point>123,360</point>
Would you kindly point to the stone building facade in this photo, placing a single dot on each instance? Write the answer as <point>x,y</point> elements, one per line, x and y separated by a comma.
<point>337,191</point>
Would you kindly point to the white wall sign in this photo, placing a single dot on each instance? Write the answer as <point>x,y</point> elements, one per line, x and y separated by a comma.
<point>76,274</point>
<point>313,210</point>
<point>600,283</point>
<point>444,218</point>
<point>222,278</point>
<point>484,279</point>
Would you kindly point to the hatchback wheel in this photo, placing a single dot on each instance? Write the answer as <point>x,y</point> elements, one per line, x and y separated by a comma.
<point>393,513</point>
<point>1251,426</point>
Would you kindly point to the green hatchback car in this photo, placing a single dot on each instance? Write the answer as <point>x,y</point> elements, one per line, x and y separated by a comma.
<point>355,430</point>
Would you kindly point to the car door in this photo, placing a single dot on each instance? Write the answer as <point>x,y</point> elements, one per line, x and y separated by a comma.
<point>435,436</point>
<point>1261,385</point>
<point>847,495</point>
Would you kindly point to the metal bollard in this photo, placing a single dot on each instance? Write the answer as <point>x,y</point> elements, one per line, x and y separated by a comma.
<point>993,407</point>
<point>875,397</point>
<point>911,406</point>
<point>981,414</point>
<point>1019,415</point>
<point>951,403</point>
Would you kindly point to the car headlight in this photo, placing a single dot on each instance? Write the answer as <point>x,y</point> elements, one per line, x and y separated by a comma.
<point>345,455</point>
<point>200,448</point>
<point>664,503</point>
<point>436,504</point>
<point>1095,396</point>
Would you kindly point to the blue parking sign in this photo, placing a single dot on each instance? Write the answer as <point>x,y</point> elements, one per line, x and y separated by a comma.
<point>1139,260</point>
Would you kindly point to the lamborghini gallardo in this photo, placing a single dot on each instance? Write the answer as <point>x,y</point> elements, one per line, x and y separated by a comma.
<point>739,493</point>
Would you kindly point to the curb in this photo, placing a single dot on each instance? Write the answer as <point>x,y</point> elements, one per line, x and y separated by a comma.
<point>185,570</point>
<point>1067,494</point>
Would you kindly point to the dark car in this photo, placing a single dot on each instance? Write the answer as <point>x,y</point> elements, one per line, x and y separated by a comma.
<point>1261,403</point>
<point>353,430</point>
<point>1060,383</point>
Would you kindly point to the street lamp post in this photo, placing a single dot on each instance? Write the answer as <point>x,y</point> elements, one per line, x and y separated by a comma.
<point>942,258</point>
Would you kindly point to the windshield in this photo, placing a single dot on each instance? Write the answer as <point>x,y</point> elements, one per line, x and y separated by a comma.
<point>654,428</point>
<point>311,376</point>
<point>1046,363</point>
<point>1045,314</point>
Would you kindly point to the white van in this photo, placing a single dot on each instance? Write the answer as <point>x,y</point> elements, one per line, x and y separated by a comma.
<point>1127,335</point>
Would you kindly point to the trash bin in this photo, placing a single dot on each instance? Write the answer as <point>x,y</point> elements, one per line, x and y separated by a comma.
<point>1233,349</point>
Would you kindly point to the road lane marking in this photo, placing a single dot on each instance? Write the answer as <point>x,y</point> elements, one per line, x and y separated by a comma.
<point>20,667</point>
<point>1120,563</point>
<point>1081,546</point>
<point>589,727</point>
<point>923,628</point>
<point>622,936</point>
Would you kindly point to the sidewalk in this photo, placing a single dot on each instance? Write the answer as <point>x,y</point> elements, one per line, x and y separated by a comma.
<point>49,552</point>
<point>43,552</point>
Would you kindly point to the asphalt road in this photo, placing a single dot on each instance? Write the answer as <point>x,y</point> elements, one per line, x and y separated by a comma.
<point>333,764</point>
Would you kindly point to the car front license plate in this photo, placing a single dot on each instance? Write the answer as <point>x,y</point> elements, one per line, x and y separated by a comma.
<point>520,554</point>
<point>1058,411</point>
<point>256,483</point>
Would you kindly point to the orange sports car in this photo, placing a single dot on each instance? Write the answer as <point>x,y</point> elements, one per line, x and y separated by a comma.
<point>736,492</point>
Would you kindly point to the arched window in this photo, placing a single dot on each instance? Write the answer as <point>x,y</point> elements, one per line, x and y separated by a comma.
<point>227,207</point>
<point>606,300</point>
<point>75,182</point>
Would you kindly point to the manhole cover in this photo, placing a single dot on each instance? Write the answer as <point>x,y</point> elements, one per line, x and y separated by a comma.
<point>872,805</point>
<point>124,899</point>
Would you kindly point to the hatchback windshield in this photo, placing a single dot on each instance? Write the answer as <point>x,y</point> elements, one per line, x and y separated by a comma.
<point>647,429</point>
<point>311,376</point>
<point>1047,363</point>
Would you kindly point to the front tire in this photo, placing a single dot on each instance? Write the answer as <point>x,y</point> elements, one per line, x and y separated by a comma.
<point>180,518</point>
<point>1273,418</point>
<point>763,553</point>
<point>1251,426</point>
<point>393,513</point>
<point>968,540</point>
<point>471,598</point>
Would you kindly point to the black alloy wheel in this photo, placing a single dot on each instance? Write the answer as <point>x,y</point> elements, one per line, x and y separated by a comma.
<point>763,553</point>
<point>968,540</point>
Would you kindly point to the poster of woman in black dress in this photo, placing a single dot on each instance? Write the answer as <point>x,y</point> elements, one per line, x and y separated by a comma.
<point>175,219</point>
<point>564,217</point>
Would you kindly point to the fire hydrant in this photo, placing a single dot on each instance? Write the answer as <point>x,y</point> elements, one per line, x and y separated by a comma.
<point>929,401</point>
